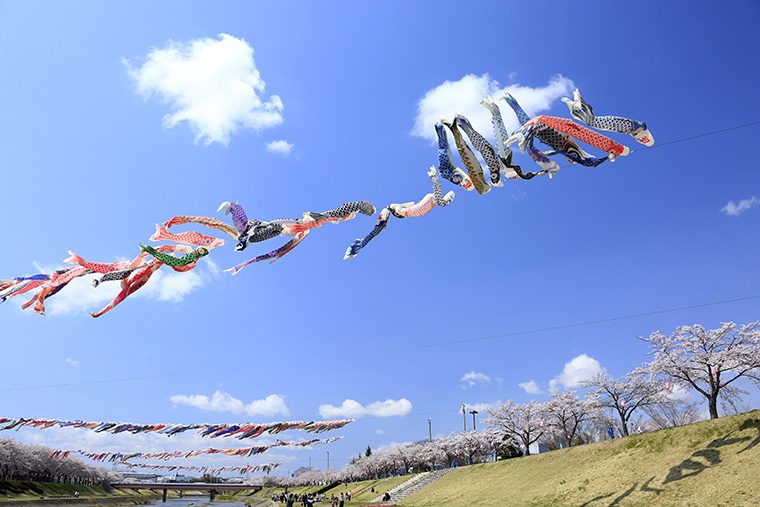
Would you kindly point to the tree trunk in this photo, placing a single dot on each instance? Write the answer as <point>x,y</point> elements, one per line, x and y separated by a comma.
<point>624,421</point>
<point>713,402</point>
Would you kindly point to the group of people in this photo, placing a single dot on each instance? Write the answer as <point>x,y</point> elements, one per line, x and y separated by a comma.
<point>309,500</point>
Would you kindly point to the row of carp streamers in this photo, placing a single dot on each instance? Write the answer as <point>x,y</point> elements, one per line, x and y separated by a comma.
<point>560,134</point>
<point>243,452</point>
<point>239,431</point>
<point>207,470</point>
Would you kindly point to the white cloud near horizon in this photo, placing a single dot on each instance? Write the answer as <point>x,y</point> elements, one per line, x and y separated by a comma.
<point>212,84</point>
<point>281,147</point>
<point>72,362</point>
<point>575,371</point>
<point>530,387</point>
<point>464,96</point>
<point>353,409</point>
<point>219,401</point>
<point>734,209</point>
<point>480,407</point>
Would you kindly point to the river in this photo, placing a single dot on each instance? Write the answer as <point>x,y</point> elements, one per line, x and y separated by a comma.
<point>194,501</point>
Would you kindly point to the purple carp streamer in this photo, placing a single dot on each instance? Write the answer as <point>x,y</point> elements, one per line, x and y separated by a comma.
<point>561,135</point>
<point>240,431</point>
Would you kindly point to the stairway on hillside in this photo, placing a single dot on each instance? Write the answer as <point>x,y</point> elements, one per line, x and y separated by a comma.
<point>416,483</point>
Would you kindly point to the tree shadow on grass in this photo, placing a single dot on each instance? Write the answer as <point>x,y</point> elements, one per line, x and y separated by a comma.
<point>751,423</point>
<point>691,466</point>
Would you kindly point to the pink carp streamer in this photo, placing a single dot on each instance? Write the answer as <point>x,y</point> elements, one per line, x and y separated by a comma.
<point>240,431</point>
<point>212,223</point>
<point>186,238</point>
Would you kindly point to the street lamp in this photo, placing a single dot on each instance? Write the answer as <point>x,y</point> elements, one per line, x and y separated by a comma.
<point>328,460</point>
<point>430,430</point>
<point>474,413</point>
<point>464,416</point>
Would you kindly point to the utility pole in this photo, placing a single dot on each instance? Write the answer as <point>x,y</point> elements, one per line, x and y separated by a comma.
<point>309,462</point>
<point>464,416</point>
<point>430,430</point>
<point>474,413</point>
<point>328,460</point>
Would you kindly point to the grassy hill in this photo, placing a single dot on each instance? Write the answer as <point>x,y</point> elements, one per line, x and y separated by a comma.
<point>708,463</point>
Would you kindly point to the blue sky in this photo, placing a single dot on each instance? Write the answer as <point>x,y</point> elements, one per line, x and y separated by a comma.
<point>87,165</point>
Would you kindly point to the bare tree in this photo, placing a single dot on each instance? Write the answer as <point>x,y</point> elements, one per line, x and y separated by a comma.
<point>523,422</point>
<point>672,412</point>
<point>624,396</point>
<point>708,360</point>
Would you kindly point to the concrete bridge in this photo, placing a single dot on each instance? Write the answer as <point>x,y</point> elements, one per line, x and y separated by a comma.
<point>213,489</point>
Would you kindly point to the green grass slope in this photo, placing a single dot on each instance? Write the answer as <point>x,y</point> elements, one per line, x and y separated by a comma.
<point>708,463</point>
<point>14,491</point>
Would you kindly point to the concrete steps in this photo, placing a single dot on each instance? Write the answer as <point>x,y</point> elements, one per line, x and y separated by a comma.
<point>414,484</point>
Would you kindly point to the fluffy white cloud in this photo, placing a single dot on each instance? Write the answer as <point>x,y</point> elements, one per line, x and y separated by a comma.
<point>734,209</point>
<point>212,84</point>
<point>80,297</point>
<point>480,407</point>
<point>72,362</point>
<point>280,147</point>
<point>472,378</point>
<point>223,402</point>
<point>578,369</point>
<point>354,409</point>
<point>464,96</point>
<point>530,387</point>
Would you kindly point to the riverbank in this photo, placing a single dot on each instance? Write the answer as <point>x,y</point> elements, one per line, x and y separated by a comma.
<point>47,494</point>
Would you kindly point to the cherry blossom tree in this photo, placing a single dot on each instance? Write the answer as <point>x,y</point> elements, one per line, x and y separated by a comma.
<point>34,463</point>
<point>708,360</point>
<point>524,422</point>
<point>567,413</point>
<point>626,395</point>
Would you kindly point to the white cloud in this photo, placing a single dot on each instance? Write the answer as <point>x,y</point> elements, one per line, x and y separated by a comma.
<point>530,387</point>
<point>470,379</point>
<point>79,296</point>
<point>72,362</point>
<point>280,147</point>
<point>734,209</point>
<point>380,431</point>
<point>480,407</point>
<point>212,84</point>
<point>269,406</point>
<point>172,286</point>
<point>354,409</point>
<point>464,96</point>
<point>273,404</point>
<point>578,369</point>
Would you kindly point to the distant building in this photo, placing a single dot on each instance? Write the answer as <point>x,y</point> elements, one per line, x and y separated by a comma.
<point>175,478</point>
<point>138,477</point>
<point>538,448</point>
<point>300,470</point>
